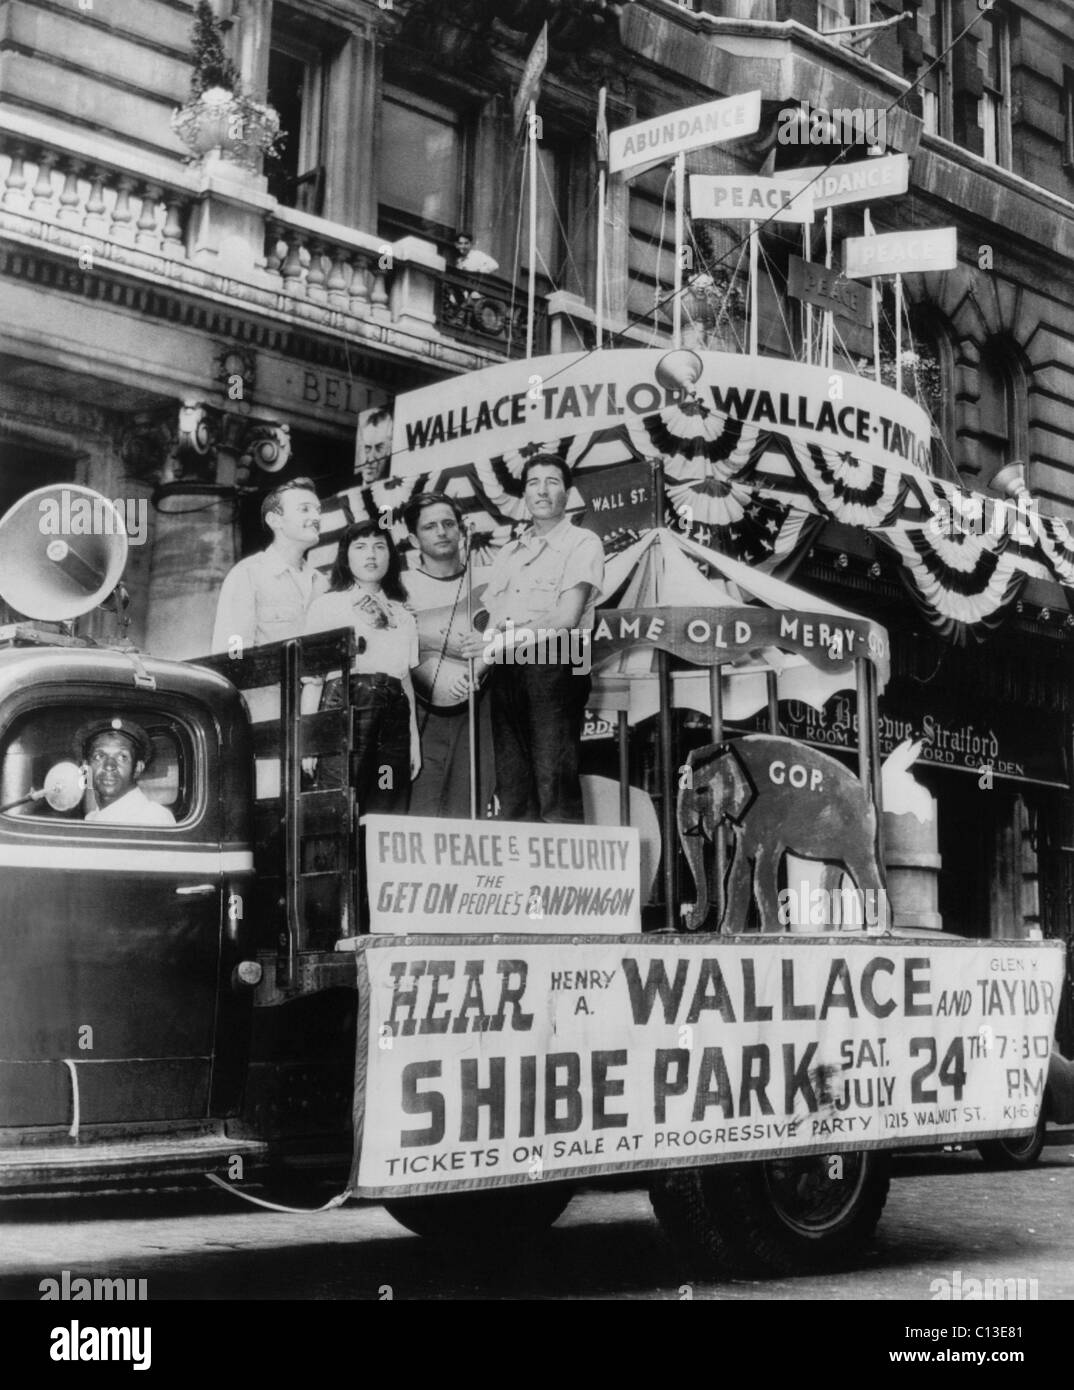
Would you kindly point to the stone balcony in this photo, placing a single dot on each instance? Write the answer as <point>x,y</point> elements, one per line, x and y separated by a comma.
<point>213,232</point>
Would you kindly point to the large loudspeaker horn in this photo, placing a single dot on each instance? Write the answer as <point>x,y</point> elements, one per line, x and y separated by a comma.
<point>62,550</point>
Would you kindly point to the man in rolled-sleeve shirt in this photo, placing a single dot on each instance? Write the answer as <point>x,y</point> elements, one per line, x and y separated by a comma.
<point>547,582</point>
<point>264,598</point>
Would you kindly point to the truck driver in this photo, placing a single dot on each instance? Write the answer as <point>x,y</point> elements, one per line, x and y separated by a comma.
<point>116,752</point>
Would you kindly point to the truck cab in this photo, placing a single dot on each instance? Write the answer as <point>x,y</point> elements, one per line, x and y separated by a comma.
<point>126,994</point>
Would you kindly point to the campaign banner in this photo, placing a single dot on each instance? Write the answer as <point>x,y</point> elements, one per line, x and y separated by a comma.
<point>901,253</point>
<point>484,1064</point>
<point>434,874</point>
<point>649,142</point>
<point>737,197</point>
<point>864,181</point>
<point>505,408</point>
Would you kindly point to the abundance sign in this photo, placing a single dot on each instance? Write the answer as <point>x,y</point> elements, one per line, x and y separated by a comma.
<point>485,1063</point>
<point>710,123</point>
<point>433,874</point>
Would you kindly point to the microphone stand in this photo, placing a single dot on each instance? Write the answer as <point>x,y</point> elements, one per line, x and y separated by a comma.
<point>471,696</point>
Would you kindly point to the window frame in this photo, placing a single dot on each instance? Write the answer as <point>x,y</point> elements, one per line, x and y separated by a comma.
<point>91,701</point>
<point>862,13</point>
<point>404,222</point>
<point>1068,119</point>
<point>944,123</point>
<point>313,132</point>
<point>1001,360</point>
<point>994,104</point>
<point>561,154</point>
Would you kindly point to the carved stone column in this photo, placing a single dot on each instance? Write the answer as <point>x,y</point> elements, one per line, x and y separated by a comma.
<point>195,542</point>
<point>251,43</point>
<point>214,455</point>
<point>350,189</point>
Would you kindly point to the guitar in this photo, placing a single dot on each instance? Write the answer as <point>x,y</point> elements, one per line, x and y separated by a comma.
<point>437,672</point>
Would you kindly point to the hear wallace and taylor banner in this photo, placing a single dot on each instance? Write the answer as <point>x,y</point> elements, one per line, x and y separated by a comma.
<point>485,1062</point>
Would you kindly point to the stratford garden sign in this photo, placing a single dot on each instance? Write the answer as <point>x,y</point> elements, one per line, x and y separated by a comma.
<point>987,742</point>
<point>981,740</point>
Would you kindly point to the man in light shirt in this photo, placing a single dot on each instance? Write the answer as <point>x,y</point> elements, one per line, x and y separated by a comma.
<point>546,582</point>
<point>436,585</point>
<point>265,597</point>
<point>116,753</point>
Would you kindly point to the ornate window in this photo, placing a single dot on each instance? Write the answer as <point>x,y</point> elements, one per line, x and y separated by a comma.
<point>422,163</point>
<point>1068,119</point>
<point>552,169</point>
<point>994,59</point>
<point>295,89</point>
<point>933,22</point>
<point>841,14</point>
<point>1002,432</point>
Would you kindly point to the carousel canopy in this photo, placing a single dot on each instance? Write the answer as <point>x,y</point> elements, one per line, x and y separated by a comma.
<point>668,593</point>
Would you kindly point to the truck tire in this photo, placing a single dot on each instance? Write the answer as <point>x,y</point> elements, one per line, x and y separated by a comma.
<point>1014,1153</point>
<point>498,1216</point>
<point>774,1216</point>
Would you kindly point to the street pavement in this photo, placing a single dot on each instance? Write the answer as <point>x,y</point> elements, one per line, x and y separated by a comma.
<point>947,1216</point>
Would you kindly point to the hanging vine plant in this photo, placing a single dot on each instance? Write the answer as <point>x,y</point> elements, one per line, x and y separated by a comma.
<point>219,117</point>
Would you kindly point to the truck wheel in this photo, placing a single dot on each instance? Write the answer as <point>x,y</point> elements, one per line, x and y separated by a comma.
<point>775,1216</point>
<point>1014,1153</point>
<point>483,1218</point>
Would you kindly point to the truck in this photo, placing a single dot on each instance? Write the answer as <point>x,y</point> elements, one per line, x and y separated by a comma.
<point>208,998</point>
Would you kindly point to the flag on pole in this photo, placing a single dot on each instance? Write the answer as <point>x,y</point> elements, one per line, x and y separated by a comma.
<point>530,82</point>
<point>602,129</point>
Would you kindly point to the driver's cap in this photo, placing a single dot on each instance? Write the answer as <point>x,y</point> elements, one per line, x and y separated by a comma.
<point>137,735</point>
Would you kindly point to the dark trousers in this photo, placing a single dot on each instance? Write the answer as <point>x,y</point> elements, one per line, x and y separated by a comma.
<point>442,787</point>
<point>537,716</point>
<point>380,762</point>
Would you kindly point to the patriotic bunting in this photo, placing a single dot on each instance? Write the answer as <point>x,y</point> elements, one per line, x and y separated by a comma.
<point>760,496</point>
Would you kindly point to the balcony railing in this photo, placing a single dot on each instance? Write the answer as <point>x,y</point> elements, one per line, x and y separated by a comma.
<point>489,312</point>
<point>119,199</point>
<point>94,197</point>
<point>323,263</point>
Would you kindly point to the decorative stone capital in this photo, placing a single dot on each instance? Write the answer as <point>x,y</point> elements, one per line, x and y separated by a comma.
<point>147,443</point>
<point>266,447</point>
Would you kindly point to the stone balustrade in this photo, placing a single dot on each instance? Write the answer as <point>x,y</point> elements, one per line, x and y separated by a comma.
<point>323,263</point>
<point>93,194</point>
<point>72,182</point>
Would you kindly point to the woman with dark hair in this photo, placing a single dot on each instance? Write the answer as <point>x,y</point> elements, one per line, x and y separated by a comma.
<point>366,592</point>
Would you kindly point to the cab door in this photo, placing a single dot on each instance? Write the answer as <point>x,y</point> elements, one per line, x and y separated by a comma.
<point>115,942</point>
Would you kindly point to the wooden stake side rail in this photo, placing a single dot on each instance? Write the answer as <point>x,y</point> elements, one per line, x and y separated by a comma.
<point>305,855</point>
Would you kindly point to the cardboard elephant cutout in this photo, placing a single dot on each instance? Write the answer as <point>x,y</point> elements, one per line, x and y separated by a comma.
<point>779,797</point>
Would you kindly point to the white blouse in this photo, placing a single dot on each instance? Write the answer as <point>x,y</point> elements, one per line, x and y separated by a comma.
<point>391,650</point>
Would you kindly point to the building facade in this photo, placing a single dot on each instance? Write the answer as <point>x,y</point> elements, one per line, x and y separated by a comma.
<point>184,334</point>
